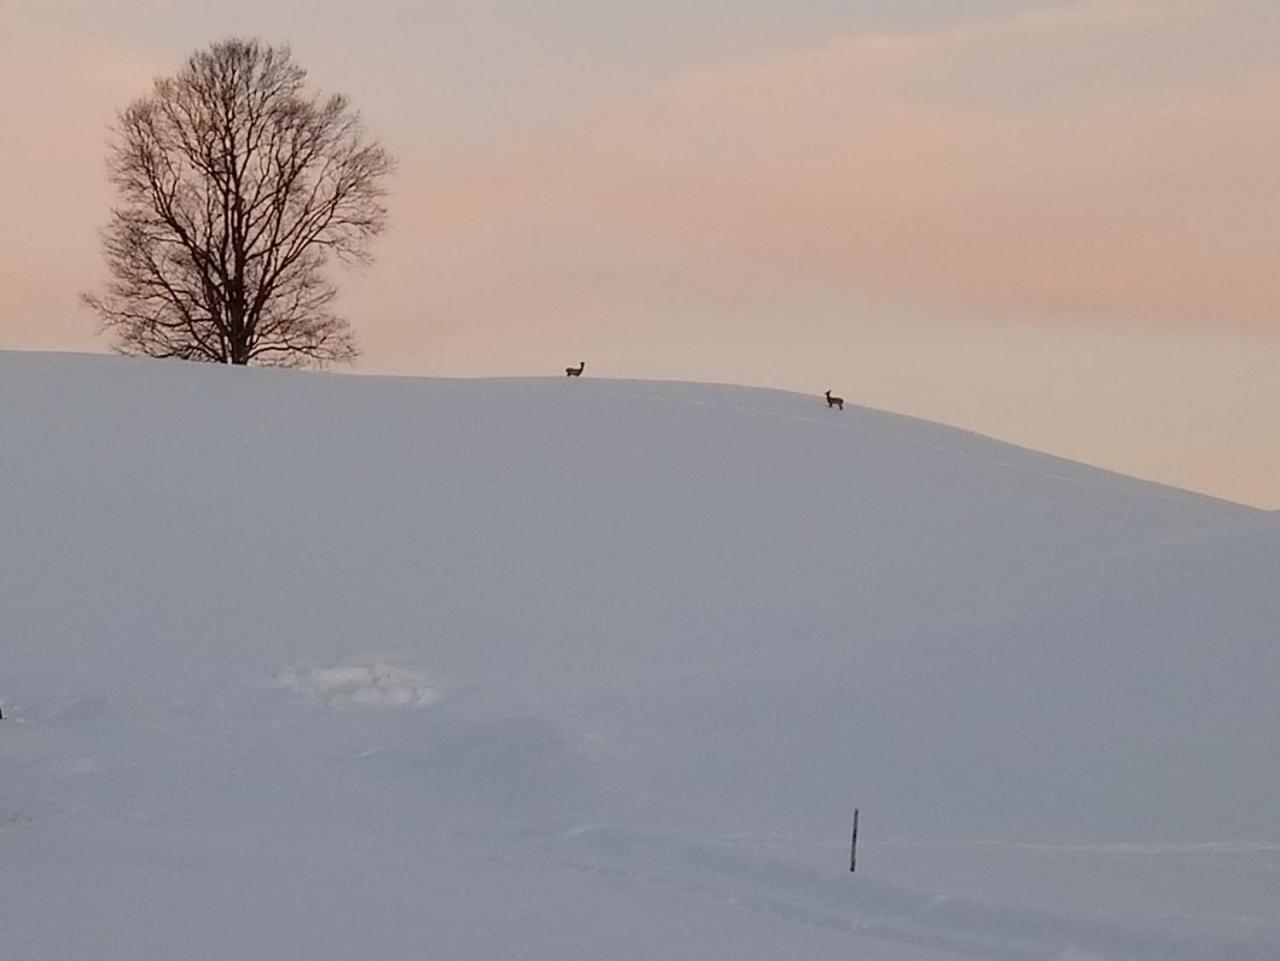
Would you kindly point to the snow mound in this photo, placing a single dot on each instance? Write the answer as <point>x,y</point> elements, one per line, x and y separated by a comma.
<point>694,626</point>
<point>369,681</point>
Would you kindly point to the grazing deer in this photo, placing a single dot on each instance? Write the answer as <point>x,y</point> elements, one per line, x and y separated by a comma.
<point>575,371</point>
<point>835,401</point>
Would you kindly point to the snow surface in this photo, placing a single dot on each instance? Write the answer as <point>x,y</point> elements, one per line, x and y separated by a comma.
<point>317,667</point>
<point>368,681</point>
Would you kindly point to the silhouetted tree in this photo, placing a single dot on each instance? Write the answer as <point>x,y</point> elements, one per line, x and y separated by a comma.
<point>234,188</point>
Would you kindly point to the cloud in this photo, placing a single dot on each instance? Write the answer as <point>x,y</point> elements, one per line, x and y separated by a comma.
<point>1108,158</point>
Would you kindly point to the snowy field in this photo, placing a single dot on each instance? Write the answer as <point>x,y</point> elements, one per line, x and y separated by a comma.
<point>336,668</point>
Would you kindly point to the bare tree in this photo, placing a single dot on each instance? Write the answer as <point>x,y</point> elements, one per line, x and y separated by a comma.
<point>234,188</point>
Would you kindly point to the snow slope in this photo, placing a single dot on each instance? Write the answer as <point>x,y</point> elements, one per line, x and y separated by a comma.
<point>331,667</point>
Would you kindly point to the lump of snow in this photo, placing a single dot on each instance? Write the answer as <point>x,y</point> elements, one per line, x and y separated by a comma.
<point>368,681</point>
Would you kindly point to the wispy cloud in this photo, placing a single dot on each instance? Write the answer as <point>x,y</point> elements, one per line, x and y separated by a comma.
<point>1105,158</point>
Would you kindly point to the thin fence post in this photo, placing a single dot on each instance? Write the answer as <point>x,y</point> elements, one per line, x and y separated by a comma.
<point>853,844</point>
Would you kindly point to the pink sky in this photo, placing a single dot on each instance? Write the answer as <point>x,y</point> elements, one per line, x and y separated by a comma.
<point>1054,223</point>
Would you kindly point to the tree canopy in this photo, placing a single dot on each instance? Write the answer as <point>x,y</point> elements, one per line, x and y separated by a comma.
<point>235,188</point>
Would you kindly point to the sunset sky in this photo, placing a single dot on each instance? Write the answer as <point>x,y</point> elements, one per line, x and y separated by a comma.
<point>1055,223</point>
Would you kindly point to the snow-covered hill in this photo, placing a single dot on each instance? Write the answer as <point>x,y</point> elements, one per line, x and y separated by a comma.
<point>317,667</point>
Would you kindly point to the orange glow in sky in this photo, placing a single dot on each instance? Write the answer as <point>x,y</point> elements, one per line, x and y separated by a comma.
<point>1053,223</point>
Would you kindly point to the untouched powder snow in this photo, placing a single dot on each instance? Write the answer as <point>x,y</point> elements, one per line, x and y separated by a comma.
<point>316,667</point>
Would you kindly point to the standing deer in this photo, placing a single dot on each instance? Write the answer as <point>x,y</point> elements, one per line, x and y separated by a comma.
<point>835,401</point>
<point>575,371</point>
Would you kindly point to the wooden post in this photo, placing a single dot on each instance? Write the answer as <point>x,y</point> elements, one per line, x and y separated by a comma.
<point>853,845</point>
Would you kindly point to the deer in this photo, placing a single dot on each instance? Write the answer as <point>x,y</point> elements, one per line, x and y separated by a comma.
<point>835,401</point>
<point>575,371</point>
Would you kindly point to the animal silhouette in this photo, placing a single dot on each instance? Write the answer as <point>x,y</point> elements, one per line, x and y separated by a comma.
<point>835,401</point>
<point>575,371</point>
